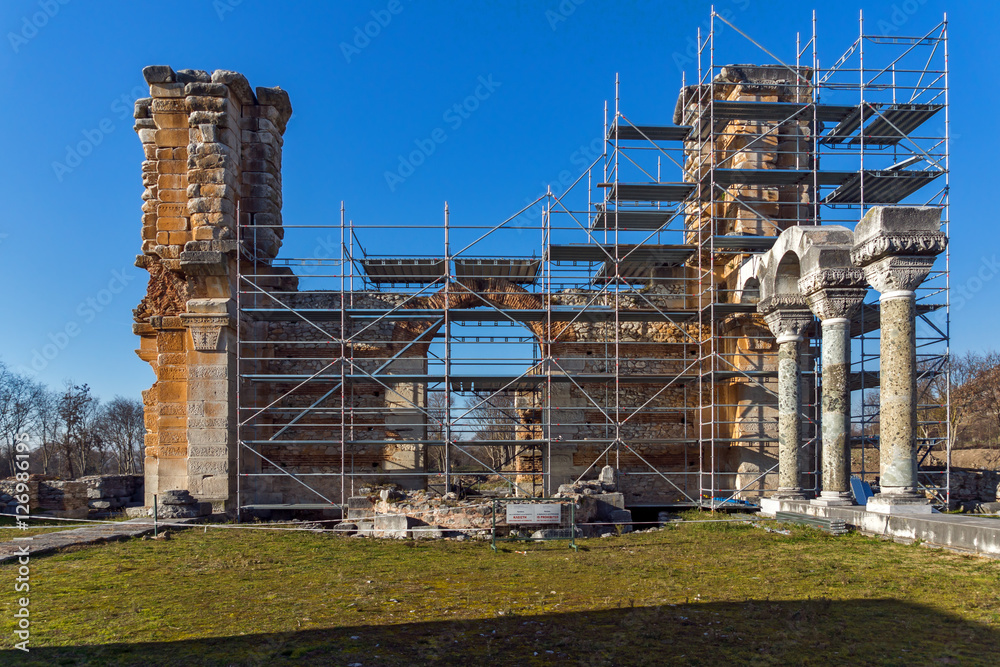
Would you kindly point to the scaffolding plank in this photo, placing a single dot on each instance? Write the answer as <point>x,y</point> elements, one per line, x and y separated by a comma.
<point>404,269</point>
<point>647,253</point>
<point>887,123</point>
<point>557,314</point>
<point>743,243</point>
<point>868,319</point>
<point>476,382</point>
<point>632,220</point>
<point>895,122</point>
<point>726,309</point>
<point>519,271</point>
<point>848,125</point>
<point>881,187</point>
<point>775,111</point>
<point>863,380</point>
<point>726,177</point>
<point>651,192</point>
<point>648,132</point>
<point>637,273</point>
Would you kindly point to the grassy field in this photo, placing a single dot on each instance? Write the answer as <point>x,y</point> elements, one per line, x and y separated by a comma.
<point>698,594</point>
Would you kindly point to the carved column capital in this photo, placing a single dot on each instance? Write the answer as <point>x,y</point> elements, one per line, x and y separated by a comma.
<point>891,274</point>
<point>834,292</point>
<point>896,246</point>
<point>206,329</point>
<point>785,314</point>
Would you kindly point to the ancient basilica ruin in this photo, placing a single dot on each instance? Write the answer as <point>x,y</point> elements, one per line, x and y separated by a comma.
<point>703,310</point>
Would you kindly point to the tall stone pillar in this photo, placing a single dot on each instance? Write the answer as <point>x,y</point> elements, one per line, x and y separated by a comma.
<point>213,148</point>
<point>834,296</point>
<point>896,247</point>
<point>788,318</point>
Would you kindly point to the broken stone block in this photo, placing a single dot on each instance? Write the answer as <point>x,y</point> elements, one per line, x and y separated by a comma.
<point>623,518</point>
<point>608,478</point>
<point>360,507</point>
<point>426,532</point>
<point>176,497</point>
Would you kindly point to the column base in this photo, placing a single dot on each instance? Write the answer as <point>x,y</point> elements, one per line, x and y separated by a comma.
<point>833,499</point>
<point>883,503</point>
<point>790,494</point>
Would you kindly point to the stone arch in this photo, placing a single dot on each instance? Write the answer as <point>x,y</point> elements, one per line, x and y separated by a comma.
<point>749,291</point>
<point>799,256</point>
<point>469,293</point>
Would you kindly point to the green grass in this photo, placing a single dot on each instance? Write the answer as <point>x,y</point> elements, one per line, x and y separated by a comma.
<point>699,594</point>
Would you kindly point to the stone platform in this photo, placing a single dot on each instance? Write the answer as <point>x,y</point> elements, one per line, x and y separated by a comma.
<point>967,534</point>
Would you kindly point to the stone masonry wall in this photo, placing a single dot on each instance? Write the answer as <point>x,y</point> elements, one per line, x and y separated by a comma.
<point>213,151</point>
<point>213,157</point>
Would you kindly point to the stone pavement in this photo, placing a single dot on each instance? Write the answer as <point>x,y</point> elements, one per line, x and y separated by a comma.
<point>962,533</point>
<point>50,542</point>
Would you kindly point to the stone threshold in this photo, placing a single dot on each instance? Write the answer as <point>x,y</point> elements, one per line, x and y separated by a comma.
<point>966,534</point>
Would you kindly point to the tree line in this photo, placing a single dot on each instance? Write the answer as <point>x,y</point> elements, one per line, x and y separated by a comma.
<point>971,384</point>
<point>72,432</point>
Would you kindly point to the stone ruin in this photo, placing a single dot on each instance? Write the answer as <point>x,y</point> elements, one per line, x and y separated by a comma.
<point>212,165</point>
<point>93,496</point>
<point>212,145</point>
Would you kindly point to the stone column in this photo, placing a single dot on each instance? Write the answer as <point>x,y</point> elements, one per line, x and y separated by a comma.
<point>788,317</point>
<point>834,296</point>
<point>896,247</point>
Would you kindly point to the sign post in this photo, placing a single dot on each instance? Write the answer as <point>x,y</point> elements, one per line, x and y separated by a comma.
<point>534,512</point>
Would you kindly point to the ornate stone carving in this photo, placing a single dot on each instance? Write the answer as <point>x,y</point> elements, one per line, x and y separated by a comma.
<point>886,244</point>
<point>834,291</point>
<point>836,302</point>
<point>205,329</point>
<point>837,277</point>
<point>898,273</point>
<point>781,302</point>
<point>896,245</point>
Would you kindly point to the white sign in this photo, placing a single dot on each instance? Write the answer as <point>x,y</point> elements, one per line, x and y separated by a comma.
<point>533,513</point>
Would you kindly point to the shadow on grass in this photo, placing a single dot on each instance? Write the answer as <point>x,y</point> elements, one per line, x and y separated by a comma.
<point>798,632</point>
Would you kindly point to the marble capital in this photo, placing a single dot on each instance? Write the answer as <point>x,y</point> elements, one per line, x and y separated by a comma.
<point>786,314</point>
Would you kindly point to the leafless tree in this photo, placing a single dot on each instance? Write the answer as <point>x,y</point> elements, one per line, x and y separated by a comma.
<point>121,428</point>
<point>46,430</point>
<point>76,412</point>
<point>19,398</point>
<point>495,419</point>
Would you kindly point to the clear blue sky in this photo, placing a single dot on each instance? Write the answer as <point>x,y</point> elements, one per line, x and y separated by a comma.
<point>68,240</point>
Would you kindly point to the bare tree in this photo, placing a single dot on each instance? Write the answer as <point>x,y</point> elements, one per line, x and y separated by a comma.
<point>19,398</point>
<point>495,419</point>
<point>437,412</point>
<point>76,411</point>
<point>46,430</point>
<point>121,428</point>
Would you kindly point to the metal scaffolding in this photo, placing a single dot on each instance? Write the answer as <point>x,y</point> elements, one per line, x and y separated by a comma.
<point>629,337</point>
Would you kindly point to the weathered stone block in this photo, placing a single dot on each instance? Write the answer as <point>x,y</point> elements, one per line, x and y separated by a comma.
<point>158,74</point>
<point>172,137</point>
<point>207,466</point>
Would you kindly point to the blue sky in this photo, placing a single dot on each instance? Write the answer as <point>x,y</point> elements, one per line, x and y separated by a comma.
<point>68,236</point>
